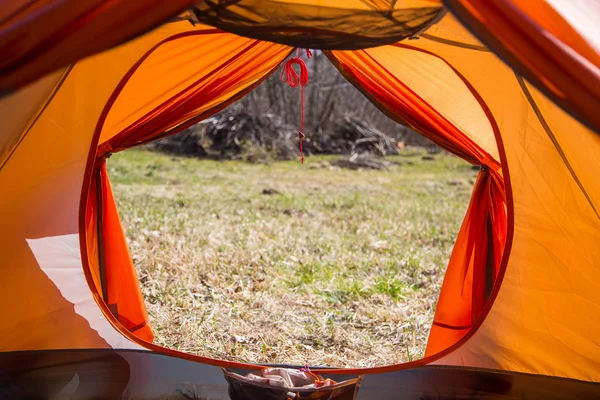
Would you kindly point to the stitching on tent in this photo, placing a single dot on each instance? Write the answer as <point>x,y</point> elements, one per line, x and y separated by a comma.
<point>554,141</point>
<point>455,43</point>
<point>38,114</point>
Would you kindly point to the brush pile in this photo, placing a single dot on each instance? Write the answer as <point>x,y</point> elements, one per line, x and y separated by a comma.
<point>354,137</point>
<point>236,134</point>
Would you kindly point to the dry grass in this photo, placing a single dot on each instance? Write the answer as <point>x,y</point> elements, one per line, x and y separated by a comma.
<point>333,267</point>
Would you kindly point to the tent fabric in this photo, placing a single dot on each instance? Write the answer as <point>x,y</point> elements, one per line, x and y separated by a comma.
<point>533,36</point>
<point>18,113</point>
<point>117,280</point>
<point>231,65</point>
<point>40,190</point>
<point>541,170</point>
<point>186,87</point>
<point>552,263</point>
<point>474,264</point>
<point>40,187</point>
<point>39,37</point>
<point>551,202</point>
<point>384,74</point>
<point>335,24</point>
<point>554,44</point>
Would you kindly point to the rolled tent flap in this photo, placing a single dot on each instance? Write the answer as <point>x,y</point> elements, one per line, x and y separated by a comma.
<point>473,266</point>
<point>152,103</point>
<point>114,273</point>
<point>477,254</point>
<point>38,37</point>
<point>553,43</point>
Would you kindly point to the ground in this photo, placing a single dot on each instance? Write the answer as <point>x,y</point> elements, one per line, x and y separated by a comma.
<point>291,263</point>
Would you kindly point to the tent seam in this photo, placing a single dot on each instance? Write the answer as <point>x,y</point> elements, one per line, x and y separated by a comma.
<point>554,141</point>
<point>38,114</point>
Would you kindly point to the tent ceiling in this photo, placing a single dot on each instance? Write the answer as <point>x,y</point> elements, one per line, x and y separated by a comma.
<point>39,37</point>
<point>340,25</point>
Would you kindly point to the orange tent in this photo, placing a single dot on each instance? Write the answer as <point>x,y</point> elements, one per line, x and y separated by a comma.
<point>517,312</point>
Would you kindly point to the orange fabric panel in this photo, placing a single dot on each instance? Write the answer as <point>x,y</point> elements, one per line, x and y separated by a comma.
<point>123,293</point>
<point>477,254</point>
<point>551,16</point>
<point>126,56</point>
<point>184,80</point>
<point>369,72</point>
<point>577,151</point>
<point>114,276</point>
<point>441,88</point>
<point>38,37</point>
<point>19,111</point>
<point>542,319</point>
<point>40,190</point>
<point>534,38</point>
<point>91,227</point>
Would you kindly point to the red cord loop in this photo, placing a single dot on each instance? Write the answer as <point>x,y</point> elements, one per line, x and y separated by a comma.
<point>289,75</point>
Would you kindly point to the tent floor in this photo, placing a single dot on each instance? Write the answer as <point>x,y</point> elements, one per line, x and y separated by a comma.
<point>135,374</point>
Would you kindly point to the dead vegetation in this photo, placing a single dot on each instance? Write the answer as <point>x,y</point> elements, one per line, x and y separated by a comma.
<point>289,263</point>
<point>235,134</point>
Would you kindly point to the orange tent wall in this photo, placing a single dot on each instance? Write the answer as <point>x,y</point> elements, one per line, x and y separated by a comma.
<point>551,262</point>
<point>40,189</point>
<point>541,319</point>
<point>19,112</point>
<point>537,39</point>
<point>39,37</point>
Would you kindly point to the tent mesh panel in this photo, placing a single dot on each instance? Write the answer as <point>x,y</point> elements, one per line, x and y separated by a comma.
<point>317,27</point>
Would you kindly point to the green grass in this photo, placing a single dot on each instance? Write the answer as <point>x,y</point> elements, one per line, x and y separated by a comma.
<point>336,267</point>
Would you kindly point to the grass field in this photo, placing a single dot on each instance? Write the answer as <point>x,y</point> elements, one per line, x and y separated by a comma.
<point>291,263</point>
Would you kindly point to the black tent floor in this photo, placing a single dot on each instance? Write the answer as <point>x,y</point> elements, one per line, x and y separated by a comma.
<point>138,374</point>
